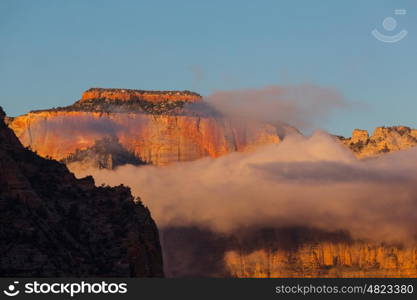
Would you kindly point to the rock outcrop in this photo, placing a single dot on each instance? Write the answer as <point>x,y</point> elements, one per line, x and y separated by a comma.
<point>52,224</point>
<point>155,131</point>
<point>104,154</point>
<point>383,140</point>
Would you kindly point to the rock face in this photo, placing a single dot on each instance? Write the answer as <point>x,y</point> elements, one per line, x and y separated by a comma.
<point>155,131</point>
<point>283,252</point>
<point>162,127</point>
<point>52,224</point>
<point>383,140</point>
<point>325,260</point>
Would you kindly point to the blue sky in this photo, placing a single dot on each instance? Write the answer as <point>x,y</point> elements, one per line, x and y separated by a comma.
<point>51,51</point>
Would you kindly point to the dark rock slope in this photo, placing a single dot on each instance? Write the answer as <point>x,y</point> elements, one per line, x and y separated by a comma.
<point>52,224</point>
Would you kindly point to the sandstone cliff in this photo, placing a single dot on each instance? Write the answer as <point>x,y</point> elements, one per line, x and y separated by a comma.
<point>157,132</point>
<point>52,224</point>
<point>283,252</point>
<point>383,140</point>
<point>325,260</point>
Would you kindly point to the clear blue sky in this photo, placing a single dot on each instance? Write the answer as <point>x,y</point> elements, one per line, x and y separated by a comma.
<point>50,51</point>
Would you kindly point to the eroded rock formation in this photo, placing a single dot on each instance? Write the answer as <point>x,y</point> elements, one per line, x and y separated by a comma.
<point>383,140</point>
<point>52,224</point>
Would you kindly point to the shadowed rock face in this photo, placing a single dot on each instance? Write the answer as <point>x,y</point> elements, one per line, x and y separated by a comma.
<point>104,154</point>
<point>282,252</point>
<point>52,224</point>
<point>383,140</point>
<point>159,132</point>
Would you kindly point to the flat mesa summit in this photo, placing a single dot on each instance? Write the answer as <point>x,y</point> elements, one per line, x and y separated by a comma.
<point>132,95</point>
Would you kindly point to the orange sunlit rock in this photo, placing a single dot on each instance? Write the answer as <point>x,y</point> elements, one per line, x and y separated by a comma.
<point>151,96</point>
<point>325,260</point>
<point>157,139</point>
<point>383,140</point>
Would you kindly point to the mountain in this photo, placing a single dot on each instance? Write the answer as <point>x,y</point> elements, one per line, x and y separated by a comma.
<point>383,140</point>
<point>157,127</point>
<point>162,127</point>
<point>52,224</point>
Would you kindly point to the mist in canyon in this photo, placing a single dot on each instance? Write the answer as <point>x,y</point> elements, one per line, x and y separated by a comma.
<point>303,181</point>
<point>311,181</point>
<point>305,189</point>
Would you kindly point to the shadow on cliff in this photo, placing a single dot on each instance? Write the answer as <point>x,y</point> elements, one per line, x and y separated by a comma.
<point>197,252</point>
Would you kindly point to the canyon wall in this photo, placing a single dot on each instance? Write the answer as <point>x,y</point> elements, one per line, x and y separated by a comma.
<point>131,95</point>
<point>325,260</point>
<point>156,139</point>
<point>282,252</point>
<point>54,225</point>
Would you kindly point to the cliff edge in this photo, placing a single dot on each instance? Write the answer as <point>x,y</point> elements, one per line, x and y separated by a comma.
<point>54,225</point>
<point>130,94</point>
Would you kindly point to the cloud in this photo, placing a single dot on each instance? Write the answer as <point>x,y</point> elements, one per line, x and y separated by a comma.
<point>303,106</point>
<point>304,181</point>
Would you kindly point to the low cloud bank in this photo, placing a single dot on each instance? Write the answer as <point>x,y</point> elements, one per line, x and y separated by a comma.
<point>303,181</point>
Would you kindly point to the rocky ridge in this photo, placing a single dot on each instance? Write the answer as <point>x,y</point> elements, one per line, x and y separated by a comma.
<point>129,95</point>
<point>53,225</point>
